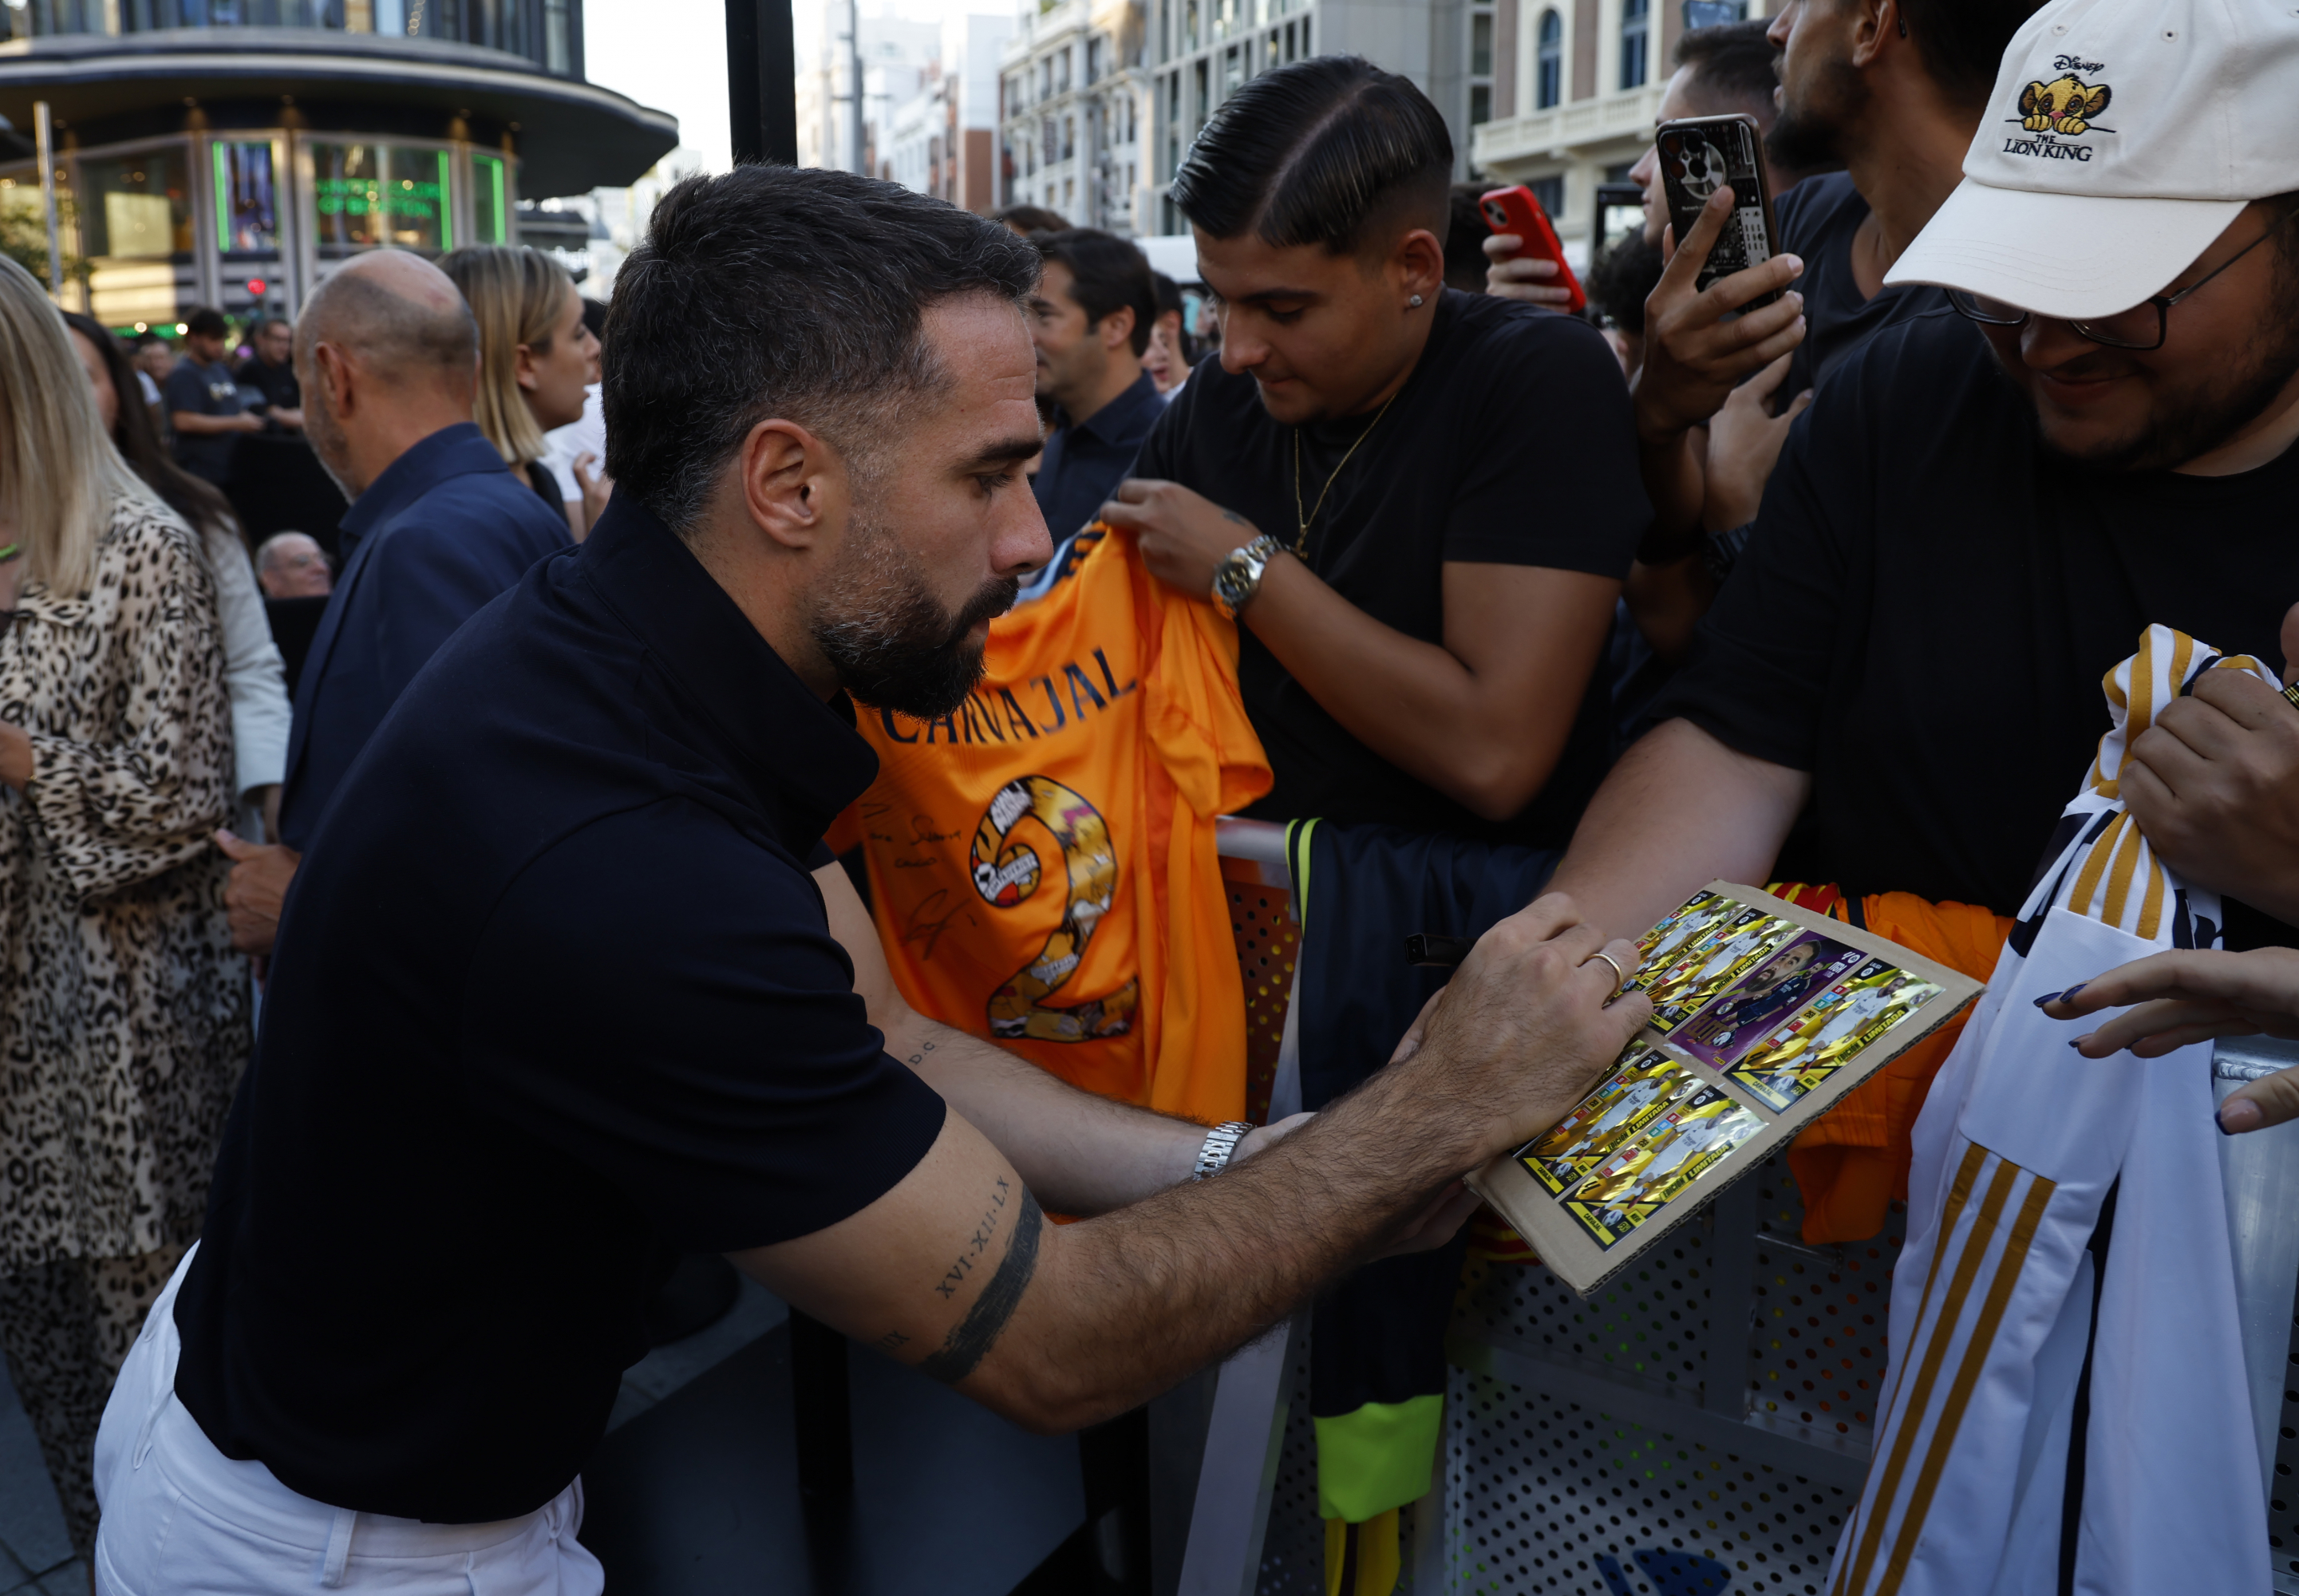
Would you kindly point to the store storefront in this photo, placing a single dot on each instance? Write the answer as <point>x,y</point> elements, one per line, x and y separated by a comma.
<point>235,167</point>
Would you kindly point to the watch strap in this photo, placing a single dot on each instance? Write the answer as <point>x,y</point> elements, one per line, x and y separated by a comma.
<point>1221,1146</point>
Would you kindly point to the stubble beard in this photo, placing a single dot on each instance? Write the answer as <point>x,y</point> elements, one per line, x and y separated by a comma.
<point>2187,424</point>
<point>893,643</point>
<point>1809,133</point>
<point>328,445</point>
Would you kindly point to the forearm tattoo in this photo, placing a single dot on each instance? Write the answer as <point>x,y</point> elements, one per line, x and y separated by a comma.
<point>985,1321</point>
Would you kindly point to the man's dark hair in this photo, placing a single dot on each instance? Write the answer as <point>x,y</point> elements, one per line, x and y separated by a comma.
<point>205,323</point>
<point>144,340</point>
<point>1330,150</point>
<point>1464,240</point>
<point>1107,274</point>
<point>782,291</point>
<point>1961,42</point>
<point>266,323</point>
<point>1030,219</point>
<point>1623,278</point>
<point>1734,60</point>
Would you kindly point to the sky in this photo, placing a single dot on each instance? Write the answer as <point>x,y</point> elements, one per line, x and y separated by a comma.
<point>672,54</point>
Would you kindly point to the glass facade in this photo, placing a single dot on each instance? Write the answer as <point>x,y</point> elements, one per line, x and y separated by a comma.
<point>368,195</point>
<point>248,222</point>
<point>547,32</point>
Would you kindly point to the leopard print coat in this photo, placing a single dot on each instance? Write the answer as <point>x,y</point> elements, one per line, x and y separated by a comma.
<point>124,1011</point>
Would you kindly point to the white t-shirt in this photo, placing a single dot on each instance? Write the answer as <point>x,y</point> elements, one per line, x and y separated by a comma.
<point>563,446</point>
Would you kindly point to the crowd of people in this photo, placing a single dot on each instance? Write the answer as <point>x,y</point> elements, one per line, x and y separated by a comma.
<point>503,793</point>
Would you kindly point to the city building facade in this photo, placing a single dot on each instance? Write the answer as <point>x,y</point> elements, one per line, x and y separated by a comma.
<point>944,141</point>
<point>1202,51</point>
<point>1577,92</point>
<point>1077,115</point>
<point>231,153</point>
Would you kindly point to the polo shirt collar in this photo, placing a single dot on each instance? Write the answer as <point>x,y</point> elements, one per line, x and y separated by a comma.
<point>1128,417</point>
<point>457,451</point>
<point>801,758</point>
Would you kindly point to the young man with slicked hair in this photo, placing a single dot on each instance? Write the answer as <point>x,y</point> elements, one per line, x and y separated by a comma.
<point>570,984</point>
<point>1418,502</point>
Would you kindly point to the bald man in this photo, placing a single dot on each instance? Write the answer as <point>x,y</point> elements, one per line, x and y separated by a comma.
<point>387,355</point>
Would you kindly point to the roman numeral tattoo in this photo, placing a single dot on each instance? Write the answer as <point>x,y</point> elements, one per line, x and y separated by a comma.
<point>963,1350</point>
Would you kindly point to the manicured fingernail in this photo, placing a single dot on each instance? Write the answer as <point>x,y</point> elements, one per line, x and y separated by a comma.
<point>2048,997</point>
<point>2077,1043</point>
<point>2069,996</point>
<point>2237,1116</point>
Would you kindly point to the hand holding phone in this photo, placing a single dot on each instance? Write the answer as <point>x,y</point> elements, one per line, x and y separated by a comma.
<point>1517,210</point>
<point>1700,155</point>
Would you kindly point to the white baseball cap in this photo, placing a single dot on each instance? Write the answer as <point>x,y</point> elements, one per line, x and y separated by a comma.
<point>2123,137</point>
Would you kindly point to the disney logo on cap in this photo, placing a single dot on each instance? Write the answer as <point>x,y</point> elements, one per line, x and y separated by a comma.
<point>2077,63</point>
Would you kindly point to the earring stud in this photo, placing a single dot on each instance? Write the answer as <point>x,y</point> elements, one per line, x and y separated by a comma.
<point>1416,302</point>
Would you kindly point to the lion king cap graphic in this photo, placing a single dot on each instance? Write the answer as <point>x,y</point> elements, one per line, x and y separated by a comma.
<point>2064,105</point>
<point>2151,122</point>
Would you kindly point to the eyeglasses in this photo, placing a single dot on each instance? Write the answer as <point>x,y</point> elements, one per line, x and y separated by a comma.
<point>2143,327</point>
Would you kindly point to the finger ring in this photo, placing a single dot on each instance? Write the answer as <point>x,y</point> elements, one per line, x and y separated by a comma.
<point>1620,975</point>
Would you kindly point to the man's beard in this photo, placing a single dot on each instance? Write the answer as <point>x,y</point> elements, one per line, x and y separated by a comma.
<point>1809,135</point>
<point>890,641</point>
<point>2191,423</point>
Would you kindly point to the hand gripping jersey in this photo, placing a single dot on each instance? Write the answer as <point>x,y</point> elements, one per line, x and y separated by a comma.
<point>1993,1300</point>
<point>1042,869</point>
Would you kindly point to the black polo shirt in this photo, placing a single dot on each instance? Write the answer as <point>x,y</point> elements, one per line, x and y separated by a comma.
<point>1086,461</point>
<point>555,1001</point>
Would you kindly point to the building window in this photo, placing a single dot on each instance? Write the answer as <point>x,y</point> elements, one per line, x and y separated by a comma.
<point>1480,44</point>
<point>1550,193</point>
<point>367,195</point>
<point>1481,103</point>
<point>1233,72</point>
<point>1549,63</point>
<point>558,49</point>
<point>1636,33</point>
<point>1062,73</point>
<point>1069,137</point>
<point>490,199</point>
<point>1094,61</point>
<point>1306,51</point>
<point>1189,26</point>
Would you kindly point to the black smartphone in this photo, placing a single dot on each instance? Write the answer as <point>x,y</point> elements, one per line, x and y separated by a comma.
<point>1700,155</point>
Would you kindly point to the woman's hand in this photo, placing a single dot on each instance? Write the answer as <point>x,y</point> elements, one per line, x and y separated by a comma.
<point>2180,998</point>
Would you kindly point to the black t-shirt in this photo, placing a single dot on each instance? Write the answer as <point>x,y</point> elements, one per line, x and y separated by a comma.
<point>1924,614</point>
<point>276,384</point>
<point>1511,444</point>
<point>1817,219</point>
<point>203,390</point>
<point>555,999</point>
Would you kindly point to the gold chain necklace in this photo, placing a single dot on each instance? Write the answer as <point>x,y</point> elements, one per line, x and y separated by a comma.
<point>1301,542</point>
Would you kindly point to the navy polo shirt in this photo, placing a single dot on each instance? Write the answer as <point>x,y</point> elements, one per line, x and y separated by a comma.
<point>555,999</point>
<point>1086,461</point>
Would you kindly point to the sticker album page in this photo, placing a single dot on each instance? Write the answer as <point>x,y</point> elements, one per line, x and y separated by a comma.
<point>1764,1015</point>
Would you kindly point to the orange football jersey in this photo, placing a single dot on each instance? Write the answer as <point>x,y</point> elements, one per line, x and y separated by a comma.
<point>1042,868</point>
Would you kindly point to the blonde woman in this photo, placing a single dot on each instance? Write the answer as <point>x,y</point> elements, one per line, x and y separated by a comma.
<point>124,1013</point>
<point>536,357</point>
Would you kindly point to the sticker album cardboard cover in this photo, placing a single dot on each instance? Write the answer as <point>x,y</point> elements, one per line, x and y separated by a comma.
<point>1765,1014</point>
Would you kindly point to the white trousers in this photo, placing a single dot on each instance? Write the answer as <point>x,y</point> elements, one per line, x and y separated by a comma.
<point>182,1519</point>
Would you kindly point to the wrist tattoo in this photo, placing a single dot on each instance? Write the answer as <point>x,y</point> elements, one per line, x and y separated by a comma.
<point>963,1350</point>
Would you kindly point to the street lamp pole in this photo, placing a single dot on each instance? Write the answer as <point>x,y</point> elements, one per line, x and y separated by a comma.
<point>761,81</point>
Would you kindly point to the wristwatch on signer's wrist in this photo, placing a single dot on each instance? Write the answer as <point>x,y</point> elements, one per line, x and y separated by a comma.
<point>1238,578</point>
<point>1221,1146</point>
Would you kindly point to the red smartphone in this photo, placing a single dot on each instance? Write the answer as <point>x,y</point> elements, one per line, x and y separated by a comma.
<point>1518,211</point>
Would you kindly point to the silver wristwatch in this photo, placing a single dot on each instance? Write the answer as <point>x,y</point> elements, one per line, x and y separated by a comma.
<point>1238,578</point>
<point>1221,1146</point>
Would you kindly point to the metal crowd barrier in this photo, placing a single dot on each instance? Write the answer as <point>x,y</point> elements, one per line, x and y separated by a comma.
<point>1700,1426</point>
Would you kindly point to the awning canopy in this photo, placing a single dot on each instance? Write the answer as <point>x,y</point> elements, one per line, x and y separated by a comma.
<point>570,136</point>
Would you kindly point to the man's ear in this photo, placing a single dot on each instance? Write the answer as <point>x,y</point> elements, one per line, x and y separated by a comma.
<point>1418,264</point>
<point>1877,26</point>
<point>1117,326</point>
<point>794,484</point>
<point>337,378</point>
